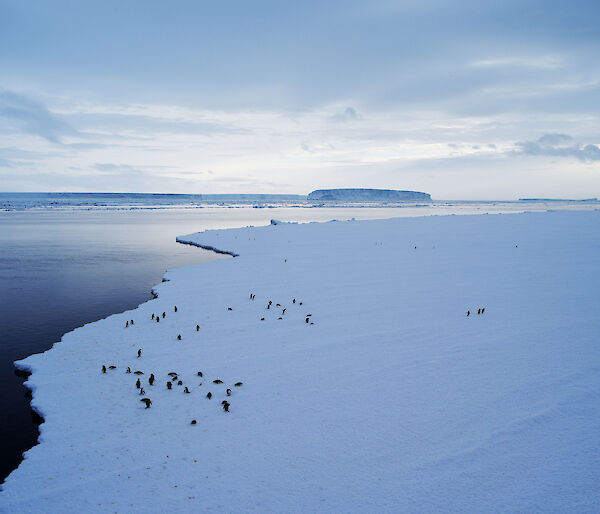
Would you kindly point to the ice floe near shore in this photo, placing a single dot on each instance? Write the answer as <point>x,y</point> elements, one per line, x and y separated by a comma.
<point>373,391</point>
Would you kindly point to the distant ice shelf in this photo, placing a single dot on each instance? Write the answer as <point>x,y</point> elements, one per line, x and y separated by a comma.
<point>368,195</point>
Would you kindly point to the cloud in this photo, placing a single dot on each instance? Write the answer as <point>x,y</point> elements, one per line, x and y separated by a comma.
<point>32,117</point>
<point>349,114</point>
<point>558,145</point>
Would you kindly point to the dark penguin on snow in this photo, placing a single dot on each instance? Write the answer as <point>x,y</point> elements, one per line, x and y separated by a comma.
<point>226,406</point>
<point>139,352</point>
<point>175,308</point>
<point>209,395</point>
<point>151,379</point>
<point>169,385</point>
<point>186,390</point>
<point>126,324</point>
<point>147,401</point>
<point>157,319</point>
<point>238,384</point>
<point>131,322</point>
<point>468,313</point>
<point>180,382</point>
<point>103,368</point>
<point>482,310</point>
<point>228,392</point>
<point>152,315</point>
<point>217,381</point>
<point>112,367</point>
<point>138,372</point>
<point>199,373</point>
<point>142,391</point>
<point>138,384</point>
<point>179,337</point>
<point>193,422</point>
<point>164,314</point>
<point>197,328</point>
<point>128,370</point>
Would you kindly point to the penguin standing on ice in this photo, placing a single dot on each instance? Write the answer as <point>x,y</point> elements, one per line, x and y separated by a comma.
<point>103,368</point>
<point>138,384</point>
<point>228,392</point>
<point>294,300</point>
<point>217,381</point>
<point>147,401</point>
<point>139,352</point>
<point>482,310</point>
<point>209,395</point>
<point>169,385</point>
<point>157,319</point>
<point>151,379</point>
<point>238,384</point>
<point>199,373</point>
<point>468,313</point>
<point>226,406</point>
<point>197,328</point>
<point>283,312</point>
<point>478,311</point>
<point>152,315</point>
<point>164,314</point>
<point>128,370</point>
<point>112,367</point>
<point>186,390</point>
<point>179,337</point>
<point>131,322</point>
<point>142,391</point>
<point>307,320</point>
<point>175,308</point>
<point>126,324</point>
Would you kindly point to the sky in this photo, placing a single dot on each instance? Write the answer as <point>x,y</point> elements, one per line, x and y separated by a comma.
<point>460,99</point>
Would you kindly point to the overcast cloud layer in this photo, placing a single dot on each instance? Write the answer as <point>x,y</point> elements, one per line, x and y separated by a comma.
<point>460,99</point>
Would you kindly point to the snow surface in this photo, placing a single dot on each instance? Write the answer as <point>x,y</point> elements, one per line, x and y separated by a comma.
<point>393,400</point>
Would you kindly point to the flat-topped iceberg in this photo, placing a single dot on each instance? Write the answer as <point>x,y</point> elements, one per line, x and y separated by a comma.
<point>368,195</point>
<point>441,364</point>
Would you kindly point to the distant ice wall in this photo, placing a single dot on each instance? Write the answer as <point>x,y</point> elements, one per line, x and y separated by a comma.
<point>368,195</point>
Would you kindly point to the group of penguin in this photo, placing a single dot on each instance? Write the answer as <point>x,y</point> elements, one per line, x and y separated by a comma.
<point>173,376</point>
<point>270,303</point>
<point>481,310</point>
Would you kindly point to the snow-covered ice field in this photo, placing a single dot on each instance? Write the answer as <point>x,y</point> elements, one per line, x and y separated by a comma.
<point>390,398</point>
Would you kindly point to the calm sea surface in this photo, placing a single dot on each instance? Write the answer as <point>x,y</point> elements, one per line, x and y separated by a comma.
<point>62,268</point>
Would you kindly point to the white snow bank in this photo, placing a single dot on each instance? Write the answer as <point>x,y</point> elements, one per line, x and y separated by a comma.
<point>393,400</point>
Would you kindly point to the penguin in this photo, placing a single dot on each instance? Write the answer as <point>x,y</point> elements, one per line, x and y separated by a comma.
<point>103,368</point>
<point>238,384</point>
<point>186,390</point>
<point>300,303</point>
<point>307,319</point>
<point>217,381</point>
<point>262,319</point>
<point>224,402</point>
<point>279,317</point>
<point>468,313</point>
<point>226,407</point>
<point>268,306</point>
<point>200,373</point>
<point>482,310</point>
<point>152,315</point>
<point>175,308</point>
<point>312,323</point>
<point>138,372</point>
<point>209,395</point>
<point>131,322</point>
<point>270,302</point>
<point>228,392</point>
<point>294,300</point>
<point>229,309</point>
<point>126,324</point>
<point>128,370</point>
<point>180,382</point>
<point>277,305</point>
<point>169,385</point>
<point>142,391</point>
<point>138,384</point>
<point>284,260</point>
<point>139,352</point>
<point>193,422</point>
<point>197,328</point>
<point>308,315</point>
<point>164,314</point>
<point>112,367</point>
<point>151,379</point>
<point>157,319</point>
<point>478,311</point>
<point>283,312</point>
<point>172,374</point>
<point>179,337</point>
<point>147,401</point>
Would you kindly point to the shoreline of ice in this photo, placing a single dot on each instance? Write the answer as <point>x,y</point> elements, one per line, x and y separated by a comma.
<point>392,400</point>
